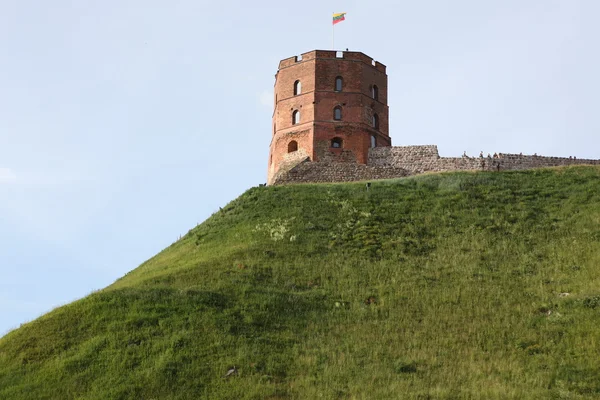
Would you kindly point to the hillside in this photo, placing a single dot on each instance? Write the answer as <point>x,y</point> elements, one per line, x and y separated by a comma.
<point>458,285</point>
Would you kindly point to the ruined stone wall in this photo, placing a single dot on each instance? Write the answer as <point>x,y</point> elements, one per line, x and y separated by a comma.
<point>415,159</point>
<point>419,159</point>
<point>519,161</point>
<point>313,172</point>
<point>290,160</point>
<point>395,162</point>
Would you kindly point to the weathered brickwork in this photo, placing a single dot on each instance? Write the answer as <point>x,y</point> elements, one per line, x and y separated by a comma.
<point>289,162</point>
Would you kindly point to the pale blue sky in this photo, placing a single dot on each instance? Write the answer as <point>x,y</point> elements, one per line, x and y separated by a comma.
<point>124,123</point>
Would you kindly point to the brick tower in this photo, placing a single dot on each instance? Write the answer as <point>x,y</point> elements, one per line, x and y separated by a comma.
<point>329,107</point>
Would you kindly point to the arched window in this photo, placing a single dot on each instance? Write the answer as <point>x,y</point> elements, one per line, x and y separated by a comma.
<point>297,88</point>
<point>375,121</point>
<point>337,143</point>
<point>292,146</point>
<point>339,84</point>
<point>295,117</point>
<point>375,92</point>
<point>337,113</point>
<point>373,141</point>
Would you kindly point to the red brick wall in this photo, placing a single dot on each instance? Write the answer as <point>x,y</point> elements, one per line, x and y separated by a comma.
<point>286,102</point>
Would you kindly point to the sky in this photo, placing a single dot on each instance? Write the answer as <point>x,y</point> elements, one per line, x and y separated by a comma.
<point>123,124</point>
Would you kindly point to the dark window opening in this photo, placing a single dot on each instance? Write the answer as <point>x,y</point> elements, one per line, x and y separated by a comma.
<point>375,92</point>
<point>373,141</point>
<point>295,117</point>
<point>336,143</point>
<point>292,146</point>
<point>338,84</point>
<point>375,121</point>
<point>337,113</point>
<point>297,88</point>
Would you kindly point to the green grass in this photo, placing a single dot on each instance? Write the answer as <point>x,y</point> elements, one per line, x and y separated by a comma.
<point>433,287</point>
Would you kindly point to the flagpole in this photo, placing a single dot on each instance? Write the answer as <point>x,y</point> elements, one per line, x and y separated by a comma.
<point>332,34</point>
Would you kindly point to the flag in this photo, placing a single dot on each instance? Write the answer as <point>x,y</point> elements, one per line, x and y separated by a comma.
<point>339,17</point>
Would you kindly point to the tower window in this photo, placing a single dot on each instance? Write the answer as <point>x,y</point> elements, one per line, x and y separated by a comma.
<point>373,141</point>
<point>337,113</point>
<point>338,84</point>
<point>297,88</point>
<point>375,92</point>
<point>376,121</point>
<point>295,117</point>
<point>292,146</point>
<point>337,143</point>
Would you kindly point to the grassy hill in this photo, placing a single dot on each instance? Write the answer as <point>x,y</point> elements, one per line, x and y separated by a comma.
<point>461,285</point>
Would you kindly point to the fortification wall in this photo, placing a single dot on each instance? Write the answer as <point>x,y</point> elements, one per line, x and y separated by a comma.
<point>313,172</point>
<point>419,159</point>
<point>415,159</point>
<point>399,161</point>
<point>519,162</point>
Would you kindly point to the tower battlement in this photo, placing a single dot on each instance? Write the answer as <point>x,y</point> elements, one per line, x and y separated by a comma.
<point>330,54</point>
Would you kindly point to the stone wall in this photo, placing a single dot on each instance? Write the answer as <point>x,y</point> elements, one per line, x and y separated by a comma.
<point>290,160</point>
<point>313,172</point>
<point>419,159</point>
<point>395,162</point>
<point>415,159</point>
<point>520,161</point>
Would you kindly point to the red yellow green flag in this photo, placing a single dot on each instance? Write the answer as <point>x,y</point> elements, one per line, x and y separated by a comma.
<point>339,17</point>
